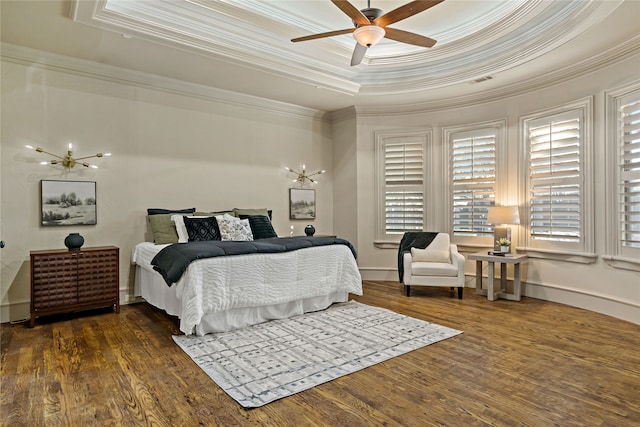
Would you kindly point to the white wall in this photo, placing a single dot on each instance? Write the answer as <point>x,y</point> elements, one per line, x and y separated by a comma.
<point>596,286</point>
<point>170,149</point>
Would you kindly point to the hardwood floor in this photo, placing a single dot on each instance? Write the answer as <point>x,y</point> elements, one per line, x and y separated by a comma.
<point>529,363</point>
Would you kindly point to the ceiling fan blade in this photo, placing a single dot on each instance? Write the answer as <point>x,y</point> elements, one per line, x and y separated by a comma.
<point>403,12</point>
<point>353,13</point>
<point>358,54</point>
<point>407,37</point>
<point>321,35</point>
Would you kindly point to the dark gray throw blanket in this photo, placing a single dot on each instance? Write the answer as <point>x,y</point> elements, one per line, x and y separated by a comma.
<point>171,262</point>
<point>413,239</point>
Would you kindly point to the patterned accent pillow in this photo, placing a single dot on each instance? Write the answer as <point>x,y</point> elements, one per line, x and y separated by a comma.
<point>232,228</point>
<point>200,229</point>
<point>181,230</point>
<point>261,227</point>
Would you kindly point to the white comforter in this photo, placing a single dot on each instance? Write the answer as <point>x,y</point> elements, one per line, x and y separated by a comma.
<point>222,283</point>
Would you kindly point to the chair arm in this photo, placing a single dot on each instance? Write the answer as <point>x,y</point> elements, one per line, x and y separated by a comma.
<point>406,262</point>
<point>457,259</point>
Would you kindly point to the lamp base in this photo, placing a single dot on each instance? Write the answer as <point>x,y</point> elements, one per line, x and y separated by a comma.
<point>500,233</point>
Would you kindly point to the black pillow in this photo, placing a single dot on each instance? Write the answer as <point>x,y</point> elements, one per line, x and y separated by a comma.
<point>261,227</point>
<point>200,229</point>
<point>159,211</point>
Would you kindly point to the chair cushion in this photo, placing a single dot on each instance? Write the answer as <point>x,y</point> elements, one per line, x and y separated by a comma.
<point>433,269</point>
<point>439,250</point>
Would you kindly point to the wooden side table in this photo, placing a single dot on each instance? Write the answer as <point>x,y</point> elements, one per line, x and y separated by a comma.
<point>490,292</point>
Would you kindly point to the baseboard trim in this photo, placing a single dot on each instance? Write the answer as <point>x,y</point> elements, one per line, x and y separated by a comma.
<point>580,298</point>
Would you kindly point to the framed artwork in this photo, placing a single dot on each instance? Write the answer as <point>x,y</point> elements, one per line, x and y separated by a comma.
<point>68,202</point>
<point>302,203</point>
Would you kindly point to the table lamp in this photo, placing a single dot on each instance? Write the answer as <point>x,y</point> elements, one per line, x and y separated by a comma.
<point>500,216</point>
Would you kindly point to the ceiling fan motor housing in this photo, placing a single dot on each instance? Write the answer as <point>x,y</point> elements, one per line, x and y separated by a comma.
<point>371,13</point>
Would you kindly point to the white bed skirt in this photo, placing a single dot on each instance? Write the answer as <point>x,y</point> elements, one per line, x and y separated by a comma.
<point>224,293</point>
<point>151,287</point>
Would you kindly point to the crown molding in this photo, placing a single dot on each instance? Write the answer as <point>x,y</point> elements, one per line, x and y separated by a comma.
<point>80,67</point>
<point>626,50</point>
<point>255,34</point>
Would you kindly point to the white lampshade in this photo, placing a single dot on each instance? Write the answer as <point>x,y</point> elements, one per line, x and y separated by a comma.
<point>368,35</point>
<point>503,215</point>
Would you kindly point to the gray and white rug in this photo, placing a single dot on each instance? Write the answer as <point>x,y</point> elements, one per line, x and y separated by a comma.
<point>272,360</point>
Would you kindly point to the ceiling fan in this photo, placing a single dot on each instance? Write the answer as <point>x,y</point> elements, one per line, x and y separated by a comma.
<point>371,26</point>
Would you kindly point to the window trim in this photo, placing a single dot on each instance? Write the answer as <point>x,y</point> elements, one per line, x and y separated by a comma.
<point>615,255</point>
<point>583,251</point>
<point>500,187</point>
<point>382,239</point>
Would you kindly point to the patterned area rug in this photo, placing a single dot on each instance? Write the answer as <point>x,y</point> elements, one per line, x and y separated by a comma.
<point>272,360</point>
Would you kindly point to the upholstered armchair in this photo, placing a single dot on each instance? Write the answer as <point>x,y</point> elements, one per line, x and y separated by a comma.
<point>430,259</point>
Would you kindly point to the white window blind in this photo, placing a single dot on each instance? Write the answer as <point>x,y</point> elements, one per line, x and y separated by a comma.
<point>473,176</point>
<point>555,178</point>
<point>629,170</point>
<point>404,187</point>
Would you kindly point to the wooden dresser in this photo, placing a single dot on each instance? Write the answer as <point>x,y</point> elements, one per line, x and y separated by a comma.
<point>64,281</point>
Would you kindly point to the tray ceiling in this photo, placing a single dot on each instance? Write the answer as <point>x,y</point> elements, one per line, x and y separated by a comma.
<point>245,45</point>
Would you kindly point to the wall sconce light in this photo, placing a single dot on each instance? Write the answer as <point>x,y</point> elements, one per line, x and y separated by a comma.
<point>67,161</point>
<point>302,177</point>
<point>502,215</point>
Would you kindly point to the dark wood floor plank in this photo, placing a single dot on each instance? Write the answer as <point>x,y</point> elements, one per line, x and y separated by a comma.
<point>527,363</point>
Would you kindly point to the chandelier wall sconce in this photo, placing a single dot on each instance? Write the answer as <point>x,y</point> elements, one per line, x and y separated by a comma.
<point>302,177</point>
<point>68,161</point>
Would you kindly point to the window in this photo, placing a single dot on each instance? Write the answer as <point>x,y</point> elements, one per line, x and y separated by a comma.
<point>400,181</point>
<point>472,160</point>
<point>629,163</point>
<point>624,166</point>
<point>558,147</point>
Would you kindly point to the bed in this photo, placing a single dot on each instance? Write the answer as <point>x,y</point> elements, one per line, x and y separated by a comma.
<point>227,292</point>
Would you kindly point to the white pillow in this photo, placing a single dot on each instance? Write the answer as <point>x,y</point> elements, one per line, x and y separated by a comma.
<point>232,228</point>
<point>181,229</point>
<point>439,250</point>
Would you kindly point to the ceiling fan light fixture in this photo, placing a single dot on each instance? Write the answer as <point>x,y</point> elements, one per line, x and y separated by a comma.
<point>368,35</point>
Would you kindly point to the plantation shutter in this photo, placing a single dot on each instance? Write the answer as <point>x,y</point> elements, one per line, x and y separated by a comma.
<point>404,187</point>
<point>555,178</point>
<point>473,174</point>
<point>629,164</point>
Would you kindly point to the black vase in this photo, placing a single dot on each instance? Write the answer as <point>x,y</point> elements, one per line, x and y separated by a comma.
<point>309,230</point>
<point>74,241</point>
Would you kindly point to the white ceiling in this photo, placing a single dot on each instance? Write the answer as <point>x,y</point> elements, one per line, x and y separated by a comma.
<point>244,45</point>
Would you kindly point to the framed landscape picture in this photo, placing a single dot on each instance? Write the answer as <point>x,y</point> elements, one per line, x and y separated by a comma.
<point>302,203</point>
<point>68,202</point>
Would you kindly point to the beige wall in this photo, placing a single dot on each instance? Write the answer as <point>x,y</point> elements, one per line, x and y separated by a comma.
<point>596,286</point>
<point>169,150</point>
<point>175,145</point>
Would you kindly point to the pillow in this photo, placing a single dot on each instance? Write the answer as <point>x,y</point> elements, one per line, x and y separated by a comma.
<point>158,211</point>
<point>181,230</point>
<point>163,229</point>
<point>200,229</point>
<point>261,227</point>
<point>232,228</point>
<point>439,250</point>
<point>238,212</point>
